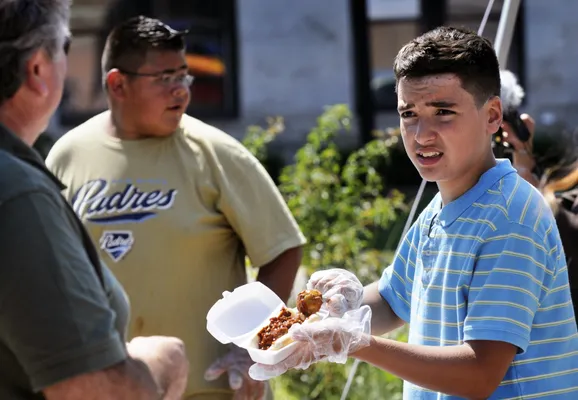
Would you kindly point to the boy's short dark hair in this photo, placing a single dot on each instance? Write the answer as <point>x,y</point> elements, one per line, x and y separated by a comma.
<point>128,43</point>
<point>459,51</point>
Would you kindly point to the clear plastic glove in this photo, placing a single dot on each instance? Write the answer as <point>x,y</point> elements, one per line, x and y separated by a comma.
<point>236,363</point>
<point>331,339</point>
<point>341,290</point>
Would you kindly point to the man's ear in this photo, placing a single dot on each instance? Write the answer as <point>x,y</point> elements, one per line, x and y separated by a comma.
<point>116,83</point>
<point>38,73</point>
<point>494,114</point>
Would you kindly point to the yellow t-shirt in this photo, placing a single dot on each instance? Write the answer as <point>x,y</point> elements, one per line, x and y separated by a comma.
<point>174,218</point>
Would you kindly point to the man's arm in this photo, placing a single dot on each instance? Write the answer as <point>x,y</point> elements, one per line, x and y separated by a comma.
<point>472,371</point>
<point>260,216</point>
<point>155,368</point>
<point>129,379</point>
<point>280,273</point>
<point>54,314</point>
<point>383,319</point>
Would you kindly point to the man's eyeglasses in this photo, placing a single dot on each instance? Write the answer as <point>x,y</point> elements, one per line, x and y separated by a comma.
<point>165,78</point>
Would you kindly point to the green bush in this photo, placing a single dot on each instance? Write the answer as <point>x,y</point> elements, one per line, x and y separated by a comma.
<point>341,204</point>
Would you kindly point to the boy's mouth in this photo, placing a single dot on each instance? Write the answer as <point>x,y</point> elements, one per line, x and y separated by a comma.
<point>429,157</point>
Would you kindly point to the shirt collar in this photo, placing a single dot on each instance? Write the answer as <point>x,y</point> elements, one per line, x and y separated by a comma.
<point>12,144</point>
<point>453,210</point>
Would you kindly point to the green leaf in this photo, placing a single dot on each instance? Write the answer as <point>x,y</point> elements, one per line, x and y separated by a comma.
<point>342,205</point>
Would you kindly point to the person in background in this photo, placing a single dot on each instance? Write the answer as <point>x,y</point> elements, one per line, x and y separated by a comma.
<point>175,204</point>
<point>556,176</point>
<point>63,315</point>
<point>480,277</point>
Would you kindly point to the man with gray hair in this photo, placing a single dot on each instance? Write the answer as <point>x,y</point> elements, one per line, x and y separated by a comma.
<point>63,315</point>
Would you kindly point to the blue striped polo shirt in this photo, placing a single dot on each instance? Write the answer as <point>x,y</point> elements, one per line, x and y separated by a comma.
<point>490,266</point>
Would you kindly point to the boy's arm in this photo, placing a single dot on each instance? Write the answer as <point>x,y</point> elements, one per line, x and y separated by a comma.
<point>473,370</point>
<point>511,275</point>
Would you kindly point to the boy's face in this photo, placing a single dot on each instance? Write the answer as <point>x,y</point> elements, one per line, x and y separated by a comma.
<point>155,97</point>
<point>445,134</point>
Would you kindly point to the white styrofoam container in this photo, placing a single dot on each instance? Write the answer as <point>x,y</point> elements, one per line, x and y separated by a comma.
<point>240,315</point>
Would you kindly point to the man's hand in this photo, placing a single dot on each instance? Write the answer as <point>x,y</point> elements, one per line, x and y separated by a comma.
<point>167,361</point>
<point>523,158</point>
<point>331,339</point>
<point>341,290</point>
<point>511,137</point>
<point>236,363</point>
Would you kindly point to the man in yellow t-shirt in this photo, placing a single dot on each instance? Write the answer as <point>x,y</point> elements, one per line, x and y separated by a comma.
<point>175,204</point>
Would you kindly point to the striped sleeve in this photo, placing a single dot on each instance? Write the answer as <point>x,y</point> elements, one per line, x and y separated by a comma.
<point>512,274</point>
<point>396,282</point>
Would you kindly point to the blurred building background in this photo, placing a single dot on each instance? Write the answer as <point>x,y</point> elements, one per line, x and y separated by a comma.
<point>258,58</point>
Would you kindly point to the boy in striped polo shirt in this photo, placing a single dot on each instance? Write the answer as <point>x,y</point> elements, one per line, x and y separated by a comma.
<point>481,276</point>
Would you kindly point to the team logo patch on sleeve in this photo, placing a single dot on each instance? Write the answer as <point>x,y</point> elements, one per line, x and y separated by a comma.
<point>116,243</point>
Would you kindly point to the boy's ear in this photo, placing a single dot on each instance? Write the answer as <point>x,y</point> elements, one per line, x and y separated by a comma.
<point>494,115</point>
<point>116,83</point>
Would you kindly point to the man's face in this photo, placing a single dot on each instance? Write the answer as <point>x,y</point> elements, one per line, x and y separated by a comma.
<point>47,78</point>
<point>445,134</point>
<point>60,64</point>
<point>156,103</point>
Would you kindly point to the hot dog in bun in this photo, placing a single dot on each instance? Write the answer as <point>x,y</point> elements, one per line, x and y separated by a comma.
<point>275,335</point>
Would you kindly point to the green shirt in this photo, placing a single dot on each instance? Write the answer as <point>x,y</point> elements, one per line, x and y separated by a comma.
<point>62,313</point>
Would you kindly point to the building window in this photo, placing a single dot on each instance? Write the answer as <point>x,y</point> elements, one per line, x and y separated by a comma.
<point>469,13</point>
<point>386,39</point>
<point>391,24</point>
<point>211,53</point>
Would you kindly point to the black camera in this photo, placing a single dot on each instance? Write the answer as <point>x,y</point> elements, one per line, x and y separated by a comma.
<point>512,95</point>
<point>502,149</point>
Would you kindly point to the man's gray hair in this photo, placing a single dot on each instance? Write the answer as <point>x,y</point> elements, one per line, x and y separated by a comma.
<point>25,27</point>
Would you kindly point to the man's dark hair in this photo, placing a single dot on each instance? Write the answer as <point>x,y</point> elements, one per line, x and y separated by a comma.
<point>25,27</point>
<point>127,44</point>
<point>459,51</point>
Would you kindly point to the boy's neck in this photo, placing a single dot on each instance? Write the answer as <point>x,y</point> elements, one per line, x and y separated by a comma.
<point>451,190</point>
